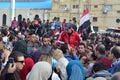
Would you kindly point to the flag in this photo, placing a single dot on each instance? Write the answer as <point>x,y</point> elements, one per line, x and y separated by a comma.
<point>85,22</point>
<point>56,32</point>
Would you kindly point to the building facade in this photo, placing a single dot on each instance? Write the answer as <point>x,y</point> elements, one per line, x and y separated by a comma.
<point>103,13</point>
<point>24,9</point>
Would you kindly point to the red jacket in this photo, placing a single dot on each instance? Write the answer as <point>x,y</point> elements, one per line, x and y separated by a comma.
<point>73,41</point>
<point>106,61</point>
<point>63,25</point>
<point>26,68</point>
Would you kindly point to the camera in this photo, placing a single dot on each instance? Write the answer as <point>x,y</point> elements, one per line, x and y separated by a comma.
<point>11,60</point>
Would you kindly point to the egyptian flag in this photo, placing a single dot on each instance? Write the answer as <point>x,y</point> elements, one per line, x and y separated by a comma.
<point>56,32</point>
<point>85,22</point>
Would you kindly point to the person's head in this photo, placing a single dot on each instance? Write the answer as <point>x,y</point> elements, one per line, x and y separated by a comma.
<point>75,70</point>
<point>19,35</point>
<point>18,59</point>
<point>36,21</point>
<point>64,20</point>
<point>115,52</point>
<point>91,56</point>
<point>46,57</point>
<point>40,71</point>
<point>14,18</point>
<point>28,19</point>
<point>98,66</point>
<point>33,38</point>
<point>100,50</point>
<point>74,18</point>
<point>43,20</point>
<point>89,40</point>
<point>12,38</point>
<point>116,76</point>
<point>64,48</point>
<point>37,37</point>
<point>27,32</point>
<point>68,27</point>
<point>4,32</point>
<point>54,43</point>
<point>48,21</point>
<point>23,19</point>
<point>81,48</point>
<point>57,54</point>
<point>58,18</point>
<point>45,40</point>
<point>89,48</point>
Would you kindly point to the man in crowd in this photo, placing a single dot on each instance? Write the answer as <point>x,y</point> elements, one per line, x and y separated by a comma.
<point>115,58</point>
<point>14,65</point>
<point>101,57</point>
<point>14,23</point>
<point>69,36</point>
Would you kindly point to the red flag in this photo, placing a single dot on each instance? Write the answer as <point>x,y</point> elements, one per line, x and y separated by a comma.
<point>56,31</point>
<point>85,17</point>
<point>84,21</point>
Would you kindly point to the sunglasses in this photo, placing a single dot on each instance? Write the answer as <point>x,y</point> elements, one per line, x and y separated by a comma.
<point>21,61</point>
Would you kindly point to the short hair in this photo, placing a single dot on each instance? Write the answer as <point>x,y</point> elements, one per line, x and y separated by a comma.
<point>45,36</point>
<point>16,54</point>
<point>90,45</point>
<point>11,37</point>
<point>116,51</point>
<point>64,47</point>
<point>82,44</point>
<point>98,66</point>
<point>4,32</point>
<point>100,48</point>
<point>93,56</point>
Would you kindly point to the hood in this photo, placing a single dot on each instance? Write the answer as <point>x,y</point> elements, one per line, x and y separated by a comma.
<point>103,73</point>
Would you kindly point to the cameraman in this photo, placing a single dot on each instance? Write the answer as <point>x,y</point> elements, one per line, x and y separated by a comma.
<point>12,68</point>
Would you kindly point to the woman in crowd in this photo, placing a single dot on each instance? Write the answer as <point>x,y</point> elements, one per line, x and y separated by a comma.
<point>40,71</point>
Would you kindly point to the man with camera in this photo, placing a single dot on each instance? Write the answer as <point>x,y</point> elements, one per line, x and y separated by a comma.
<point>14,65</point>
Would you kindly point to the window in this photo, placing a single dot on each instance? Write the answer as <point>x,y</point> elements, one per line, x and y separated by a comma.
<point>108,7</point>
<point>63,7</point>
<point>75,6</point>
<point>19,19</point>
<point>118,11</point>
<point>95,28</point>
<point>94,19</point>
<point>118,20</point>
<point>95,6</point>
<point>4,20</point>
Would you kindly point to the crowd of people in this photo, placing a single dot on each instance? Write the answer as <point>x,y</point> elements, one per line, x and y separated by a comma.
<point>31,50</point>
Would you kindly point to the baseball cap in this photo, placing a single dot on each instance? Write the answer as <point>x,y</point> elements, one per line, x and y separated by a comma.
<point>68,25</point>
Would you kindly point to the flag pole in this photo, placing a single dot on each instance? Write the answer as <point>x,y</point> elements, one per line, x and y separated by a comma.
<point>12,9</point>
